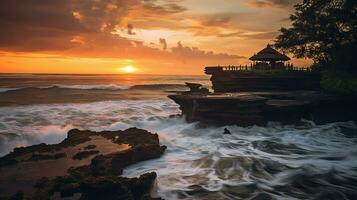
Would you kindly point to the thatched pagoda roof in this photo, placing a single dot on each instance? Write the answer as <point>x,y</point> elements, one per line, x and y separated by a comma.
<point>269,54</point>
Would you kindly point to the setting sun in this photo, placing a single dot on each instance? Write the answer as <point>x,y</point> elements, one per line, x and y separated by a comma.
<point>128,69</point>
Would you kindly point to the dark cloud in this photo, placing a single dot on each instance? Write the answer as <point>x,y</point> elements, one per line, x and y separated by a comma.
<point>162,41</point>
<point>29,24</point>
<point>163,8</point>
<point>130,28</point>
<point>247,35</point>
<point>263,36</point>
<point>55,14</point>
<point>219,21</point>
<point>184,52</point>
<point>272,3</point>
<point>62,25</point>
<point>232,34</point>
<point>85,28</point>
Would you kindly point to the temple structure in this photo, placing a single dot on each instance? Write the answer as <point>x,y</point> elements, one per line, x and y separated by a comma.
<point>269,71</point>
<point>269,58</point>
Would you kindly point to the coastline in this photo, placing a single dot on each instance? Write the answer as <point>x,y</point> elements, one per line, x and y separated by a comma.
<point>85,164</point>
<point>201,161</point>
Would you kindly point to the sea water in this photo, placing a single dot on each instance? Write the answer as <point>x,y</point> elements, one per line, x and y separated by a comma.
<point>277,161</point>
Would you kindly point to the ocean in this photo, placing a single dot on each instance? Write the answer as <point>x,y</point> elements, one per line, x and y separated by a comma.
<point>307,161</point>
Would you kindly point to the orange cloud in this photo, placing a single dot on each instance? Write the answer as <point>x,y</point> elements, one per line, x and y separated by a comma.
<point>271,3</point>
<point>147,31</point>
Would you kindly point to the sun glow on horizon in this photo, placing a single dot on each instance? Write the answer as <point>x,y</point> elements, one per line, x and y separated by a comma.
<point>128,69</point>
<point>181,38</point>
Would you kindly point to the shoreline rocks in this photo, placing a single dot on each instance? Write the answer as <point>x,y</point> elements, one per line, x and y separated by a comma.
<point>85,165</point>
<point>259,108</point>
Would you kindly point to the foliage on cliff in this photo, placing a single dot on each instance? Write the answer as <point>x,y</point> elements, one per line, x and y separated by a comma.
<point>323,30</point>
<point>340,82</point>
<point>326,32</point>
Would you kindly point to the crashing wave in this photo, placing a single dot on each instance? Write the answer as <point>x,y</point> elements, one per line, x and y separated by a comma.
<point>93,87</point>
<point>102,87</point>
<point>8,89</point>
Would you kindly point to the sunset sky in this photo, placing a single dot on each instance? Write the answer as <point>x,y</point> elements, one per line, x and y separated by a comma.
<point>139,36</point>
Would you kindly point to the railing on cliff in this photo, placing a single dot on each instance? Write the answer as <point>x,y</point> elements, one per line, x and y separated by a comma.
<point>231,68</point>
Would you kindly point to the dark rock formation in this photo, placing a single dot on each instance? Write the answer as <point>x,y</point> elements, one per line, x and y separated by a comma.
<point>45,171</point>
<point>226,131</point>
<point>91,146</point>
<point>258,108</point>
<point>37,156</point>
<point>196,88</point>
<point>84,154</point>
<point>266,80</point>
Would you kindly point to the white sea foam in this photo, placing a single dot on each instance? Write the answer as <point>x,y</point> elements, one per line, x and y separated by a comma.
<point>8,89</point>
<point>202,157</point>
<point>101,87</point>
<point>27,125</point>
<point>77,87</point>
<point>95,87</point>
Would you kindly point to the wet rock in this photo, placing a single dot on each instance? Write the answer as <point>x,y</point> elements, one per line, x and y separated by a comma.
<point>18,196</point>
<point>226,131</point>
<point>196,88</point>
<point>84,154</point>
<point>91,146</point>
<point>88,177</point>
<point>7,161</point>
<point>37,156</point>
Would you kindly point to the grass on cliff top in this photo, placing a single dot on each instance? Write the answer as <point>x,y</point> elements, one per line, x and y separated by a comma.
<point>339,82</point>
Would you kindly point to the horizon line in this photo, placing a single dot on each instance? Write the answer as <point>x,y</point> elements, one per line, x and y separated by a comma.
<point>12,73</point>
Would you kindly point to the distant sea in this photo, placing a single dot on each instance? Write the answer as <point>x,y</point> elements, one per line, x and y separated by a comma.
<point>277,161</point>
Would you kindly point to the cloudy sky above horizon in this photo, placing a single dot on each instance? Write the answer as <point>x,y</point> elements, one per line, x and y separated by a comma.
<point>155,36</point>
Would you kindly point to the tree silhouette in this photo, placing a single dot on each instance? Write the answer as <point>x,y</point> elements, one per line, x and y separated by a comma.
<point>323,30</point>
